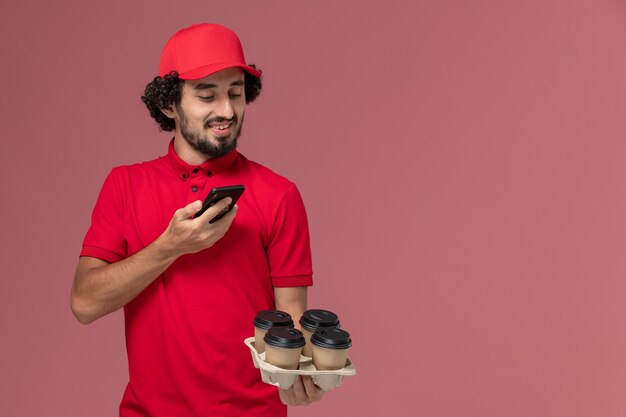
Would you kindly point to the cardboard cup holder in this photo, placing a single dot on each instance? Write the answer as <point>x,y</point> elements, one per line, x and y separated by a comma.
<point>284,378</point>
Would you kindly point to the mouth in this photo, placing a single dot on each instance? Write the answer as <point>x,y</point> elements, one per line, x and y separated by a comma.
<point>221,128</point>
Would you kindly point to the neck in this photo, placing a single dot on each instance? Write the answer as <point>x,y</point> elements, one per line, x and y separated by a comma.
<point>186,152</point>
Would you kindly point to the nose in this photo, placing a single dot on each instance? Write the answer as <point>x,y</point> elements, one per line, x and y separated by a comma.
<point>225,109</point>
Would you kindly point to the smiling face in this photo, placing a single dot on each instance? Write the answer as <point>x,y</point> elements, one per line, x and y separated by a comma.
<point>210,114</point>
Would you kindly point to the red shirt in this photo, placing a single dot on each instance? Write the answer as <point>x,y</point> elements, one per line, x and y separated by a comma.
<point>185,331</point>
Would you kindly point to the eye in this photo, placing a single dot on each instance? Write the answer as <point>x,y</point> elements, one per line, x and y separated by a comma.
<point>233,95</point>
<point>206,98</point>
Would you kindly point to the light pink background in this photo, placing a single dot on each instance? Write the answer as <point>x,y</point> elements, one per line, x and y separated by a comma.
<point>462,164</point>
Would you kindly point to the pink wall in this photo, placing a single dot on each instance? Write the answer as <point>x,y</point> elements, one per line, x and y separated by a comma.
<point>462,164</point>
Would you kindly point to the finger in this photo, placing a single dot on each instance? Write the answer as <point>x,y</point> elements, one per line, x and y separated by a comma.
<point>286,396</point>
<point>188,211</point>
<point>215,209</point>
<point>230,216</point>
<point>299,392</point>
<point>225,218</point>
<point>313,392</point>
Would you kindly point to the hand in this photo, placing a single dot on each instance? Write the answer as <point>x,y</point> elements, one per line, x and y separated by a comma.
<point>302,392</point>
<point>186,235</point>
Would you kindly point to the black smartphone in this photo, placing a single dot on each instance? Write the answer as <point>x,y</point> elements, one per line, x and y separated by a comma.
<point>218,193</point>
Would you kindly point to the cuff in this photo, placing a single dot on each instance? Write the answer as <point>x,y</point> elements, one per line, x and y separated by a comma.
<point>105,255</point>
<point>293,281</point>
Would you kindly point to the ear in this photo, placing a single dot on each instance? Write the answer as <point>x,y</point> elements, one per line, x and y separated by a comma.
<point>169,112</point>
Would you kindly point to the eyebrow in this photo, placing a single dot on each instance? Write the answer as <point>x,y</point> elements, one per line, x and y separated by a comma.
<point>204,86</point>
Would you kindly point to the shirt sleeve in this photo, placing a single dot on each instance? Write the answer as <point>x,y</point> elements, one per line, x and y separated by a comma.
<point>104,239</point>
<point>289,249</point>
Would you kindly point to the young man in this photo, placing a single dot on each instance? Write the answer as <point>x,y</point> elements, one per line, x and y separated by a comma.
<point>190,289</point>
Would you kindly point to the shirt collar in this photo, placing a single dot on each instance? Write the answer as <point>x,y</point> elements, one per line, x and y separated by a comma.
<point>209,167</point>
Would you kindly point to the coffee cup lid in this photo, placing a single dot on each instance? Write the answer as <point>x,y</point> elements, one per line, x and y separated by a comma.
<point>270,318</point>
<point>331,339</point>
<point>284,337</point>
<point>314,319</point>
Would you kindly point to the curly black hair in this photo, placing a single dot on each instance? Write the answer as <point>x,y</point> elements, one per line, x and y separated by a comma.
<point>163,92</point>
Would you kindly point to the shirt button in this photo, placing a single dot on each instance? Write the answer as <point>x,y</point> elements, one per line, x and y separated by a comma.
<point>194,188</point>
<point>195,171</point>
<point>209,173</point>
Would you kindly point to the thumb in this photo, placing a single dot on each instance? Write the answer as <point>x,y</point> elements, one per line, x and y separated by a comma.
<point>189,210</point>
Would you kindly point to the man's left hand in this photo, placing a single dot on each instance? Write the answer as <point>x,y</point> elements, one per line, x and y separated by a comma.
<point>302,392</point>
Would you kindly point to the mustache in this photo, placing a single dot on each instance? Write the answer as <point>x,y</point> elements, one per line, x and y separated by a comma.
<point>220,120</point>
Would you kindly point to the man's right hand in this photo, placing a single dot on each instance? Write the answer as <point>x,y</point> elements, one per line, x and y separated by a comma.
<point>100,287</point>
<point>185,234</point>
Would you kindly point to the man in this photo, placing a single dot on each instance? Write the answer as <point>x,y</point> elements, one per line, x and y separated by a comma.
<point>190,289</point>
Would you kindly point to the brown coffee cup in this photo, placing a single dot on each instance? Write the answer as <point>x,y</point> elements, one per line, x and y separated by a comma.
<point>313,320</point>
<point>330,349</point>
<point>265,320</point>
<point>283,346</point>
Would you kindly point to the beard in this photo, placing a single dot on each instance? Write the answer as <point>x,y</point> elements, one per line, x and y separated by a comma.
<point>199,140</point>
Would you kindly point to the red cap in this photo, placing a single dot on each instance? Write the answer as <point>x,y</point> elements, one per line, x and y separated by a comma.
<point>201,50</point>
